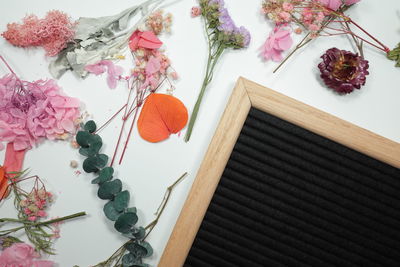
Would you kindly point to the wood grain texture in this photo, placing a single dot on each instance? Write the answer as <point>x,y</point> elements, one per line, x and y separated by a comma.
<point>207,178</point>
<point>247,94</point>
<point>323,124</point>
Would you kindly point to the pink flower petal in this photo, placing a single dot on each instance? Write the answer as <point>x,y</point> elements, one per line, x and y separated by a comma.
<point>97,68</point>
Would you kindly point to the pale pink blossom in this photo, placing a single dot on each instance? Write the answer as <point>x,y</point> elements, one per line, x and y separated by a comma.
<point>195,11</point>
<point>278,41</point>
<point>332,4</point>
<point>114,72</point>
<point>22,255</point>
<point>287,6</point>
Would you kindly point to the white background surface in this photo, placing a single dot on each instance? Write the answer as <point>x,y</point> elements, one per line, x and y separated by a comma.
<point>149,168</point>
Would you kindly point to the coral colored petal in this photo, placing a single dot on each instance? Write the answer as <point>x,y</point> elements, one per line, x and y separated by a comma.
<point>3,183</point>
<point>161,115</point>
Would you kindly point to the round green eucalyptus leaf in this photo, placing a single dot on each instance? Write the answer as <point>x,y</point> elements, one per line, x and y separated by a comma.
<point>111,213</point>
<point>90,126</point>
<point>128,260</point>
<point>101,160</point>
<point>108,190</point>
<point>136,233</point>
<point>90,165</point>
<point>84,151</point>
<point>148,248</point>
<point>125,222</point>
<point>133,209</point>
<point>105,175</point>
<point>121,200</point>
<point>82,138</point>
<point>140,249</point>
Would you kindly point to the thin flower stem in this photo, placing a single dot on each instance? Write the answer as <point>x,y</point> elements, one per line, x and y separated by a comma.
<point>163,204</point>
<point>45,223</point>
<point>385,48</point>
<point>109,120</point>
<point>8,66</point>
<point>129,136</point>
<point>303,42</point>
<point>124,118</point>
<point>212,60</point>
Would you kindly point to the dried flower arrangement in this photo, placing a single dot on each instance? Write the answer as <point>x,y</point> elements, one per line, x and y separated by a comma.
<point>341,70</point>
<point>222,34</point>
<point>31,208</point>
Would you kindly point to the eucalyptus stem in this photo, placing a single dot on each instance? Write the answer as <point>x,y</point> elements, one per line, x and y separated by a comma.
<point>163,204</point>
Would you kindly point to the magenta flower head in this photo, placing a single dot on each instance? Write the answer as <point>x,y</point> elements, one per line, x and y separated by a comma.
<point>343,71</point>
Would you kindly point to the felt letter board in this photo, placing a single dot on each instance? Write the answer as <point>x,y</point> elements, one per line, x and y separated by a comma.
<point>284,184</point>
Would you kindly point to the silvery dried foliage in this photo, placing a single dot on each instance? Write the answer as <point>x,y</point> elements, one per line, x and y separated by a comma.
<point>98,38</point>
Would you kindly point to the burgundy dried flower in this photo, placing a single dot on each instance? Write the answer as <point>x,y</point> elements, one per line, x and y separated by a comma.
<point>342,70</point>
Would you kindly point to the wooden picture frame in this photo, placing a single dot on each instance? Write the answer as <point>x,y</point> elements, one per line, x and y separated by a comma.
<point>247,94</point>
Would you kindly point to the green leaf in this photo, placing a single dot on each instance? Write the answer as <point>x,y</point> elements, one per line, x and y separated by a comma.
<point>136,233</point>
<point>105,175</point>
<point>125,222</point>
<point>94,163</point>
<point>128,260</point>
<point>90,126</point>
<point>139,249</point>
<point>121,200</point>
<point>148,247</point>
<point>109,189</point>
<point>82,138</point>
<point>89,165</point>
<point>111,213</point>
<point>133,209</point>
<point>101,160</point>
<point>141,265</point>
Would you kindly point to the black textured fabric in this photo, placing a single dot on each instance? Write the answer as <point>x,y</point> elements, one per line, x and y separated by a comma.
<point>289,197</point>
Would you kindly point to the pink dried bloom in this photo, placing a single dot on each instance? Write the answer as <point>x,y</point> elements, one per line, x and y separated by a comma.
<point>343,71</point>
<point>278,41</point>
<point>22,255</point>
<point>32,111</point>
<point>114,72</point>
<point>157,22</point>
<point>52,33</point>
<point>195,11</point>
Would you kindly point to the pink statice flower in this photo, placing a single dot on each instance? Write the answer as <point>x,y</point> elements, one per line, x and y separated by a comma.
<point>278,41</point>
<point>114,72</point>
<point>22,255</point>
<point>33,111</point>
<point>52,33</point>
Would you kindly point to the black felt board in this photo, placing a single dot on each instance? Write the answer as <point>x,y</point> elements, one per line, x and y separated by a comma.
<point>289,197</point>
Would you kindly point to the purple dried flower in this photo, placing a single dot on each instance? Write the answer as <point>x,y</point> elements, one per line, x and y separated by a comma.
<point>343,71</point>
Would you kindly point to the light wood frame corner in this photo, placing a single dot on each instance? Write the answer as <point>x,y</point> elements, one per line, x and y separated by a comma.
<point>245,95</point>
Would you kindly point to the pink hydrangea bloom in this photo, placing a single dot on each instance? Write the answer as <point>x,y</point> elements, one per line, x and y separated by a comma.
<point>22,255</point>
<point>278,41</point>
<point>31,111</point>
<point>52,33</point>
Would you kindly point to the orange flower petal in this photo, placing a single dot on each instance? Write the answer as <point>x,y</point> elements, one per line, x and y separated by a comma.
<point>3,183</point>
<point>161,116</point>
